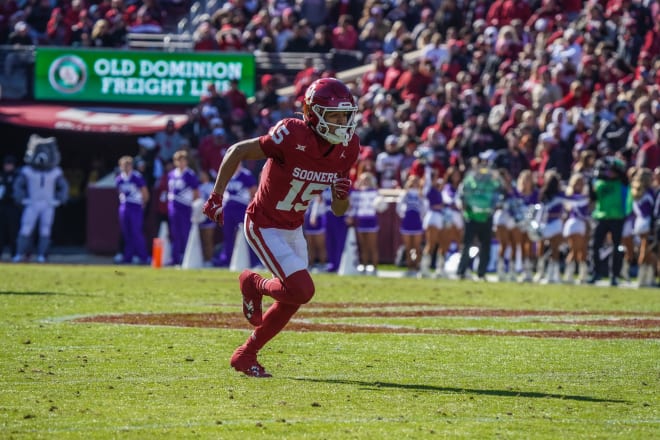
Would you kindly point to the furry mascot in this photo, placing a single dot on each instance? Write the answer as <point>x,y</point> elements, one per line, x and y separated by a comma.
<point>40,187</point>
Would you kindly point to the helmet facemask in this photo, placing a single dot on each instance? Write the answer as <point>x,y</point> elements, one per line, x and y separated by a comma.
<point>335,133</point>
<point>324,96</point>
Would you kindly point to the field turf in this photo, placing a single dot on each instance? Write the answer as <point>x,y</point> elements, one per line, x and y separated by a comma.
<point>114,352</point>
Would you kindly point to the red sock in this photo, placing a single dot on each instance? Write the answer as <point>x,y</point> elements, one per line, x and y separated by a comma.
<point>275,319</point>
<point>297,288</point>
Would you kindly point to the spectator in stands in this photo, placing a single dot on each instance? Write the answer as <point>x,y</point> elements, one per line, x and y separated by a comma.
<point>369,41</point>
<point>146,23</point>
<point>414,82</point>
<point>234,97</point>
<point>101,35</point>
<point>151,12</point>
<point>267,97</point>
<point>204,37</point>
<point>299,40</point>
<point>649,153</point>
<point>375,74</point>
<point>169,141</point>
<point>18,58</point>
<point>212,149</point>
<point>57,29</point>
<point>479,138</point>
<point>393,71</point>
<point>229,38</point>
<point>118,30</point>
<point>37,14</point>
<point>612,136</point>
<point>81,30</point>
<point>425,22</point>
<point>321,41</point>
<point>344,36</point>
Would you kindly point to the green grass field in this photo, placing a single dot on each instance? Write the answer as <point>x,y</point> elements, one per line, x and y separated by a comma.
<point>413,359</point>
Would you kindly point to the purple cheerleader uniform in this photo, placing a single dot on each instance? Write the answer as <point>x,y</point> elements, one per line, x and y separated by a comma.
<point>316,211</point>
<point>234,203</point>
<point>131,215</point>
<point>643,211</point>
<point>335,233</point>
<point>181,186</point>
<point>363,209</point>
<point>411,210</point>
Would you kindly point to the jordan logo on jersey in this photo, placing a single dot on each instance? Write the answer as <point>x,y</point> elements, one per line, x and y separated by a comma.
<point>301,147</point>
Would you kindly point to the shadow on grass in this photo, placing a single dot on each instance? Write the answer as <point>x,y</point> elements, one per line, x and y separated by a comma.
<point>500,393</point>
<point>4,292</point>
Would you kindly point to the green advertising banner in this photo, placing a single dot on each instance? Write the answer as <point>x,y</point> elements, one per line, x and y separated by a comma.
<point>64,74</point>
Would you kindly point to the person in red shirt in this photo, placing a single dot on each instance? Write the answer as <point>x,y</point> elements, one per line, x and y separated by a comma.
<point>393,71</point>
<point>344,36</point>
<point>235,97</point>
<point>376,74</point>
<point>648,155</point>
<point>412,83</point>
<point>303,158</point>
<point>576,97</point>
<point>212,149</point>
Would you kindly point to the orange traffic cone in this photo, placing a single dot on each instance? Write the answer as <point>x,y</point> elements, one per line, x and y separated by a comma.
<point>157,253</point>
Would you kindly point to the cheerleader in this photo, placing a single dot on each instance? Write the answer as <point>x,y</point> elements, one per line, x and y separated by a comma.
<point>133,197</point>
<point>529,196</point>
<point>453,216</point>
<point>627,239</point>
<point>553,201</point>
<point>314,230</point>
<point>411,209</point>
<point>576,230</point>
<point>504,225</point>
<point>207,226</point>
<point>183,188</point>
<point>433,225</point>
<point>365,204</point>
<point>240,190</point>
<point>550,217</point>
<point>335,235</point>
<point>642,207</point>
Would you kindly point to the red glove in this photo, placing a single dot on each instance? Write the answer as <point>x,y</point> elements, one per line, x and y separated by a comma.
<point>213,208</point>
<point>340,188</point>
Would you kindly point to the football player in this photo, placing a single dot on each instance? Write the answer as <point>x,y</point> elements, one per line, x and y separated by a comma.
<point>304,157</point>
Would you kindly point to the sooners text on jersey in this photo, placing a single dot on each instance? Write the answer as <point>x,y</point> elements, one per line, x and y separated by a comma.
<point>300,166</point>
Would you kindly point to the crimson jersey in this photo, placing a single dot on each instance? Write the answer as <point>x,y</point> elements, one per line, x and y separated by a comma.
<point>300,166</point>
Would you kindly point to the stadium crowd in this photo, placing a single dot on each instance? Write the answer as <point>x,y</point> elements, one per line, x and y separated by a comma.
<point>542,92</point>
